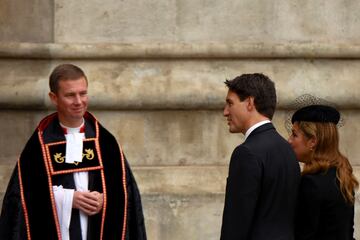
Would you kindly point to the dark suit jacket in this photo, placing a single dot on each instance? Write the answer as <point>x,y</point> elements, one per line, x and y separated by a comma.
<point>261,190</point>
<point>322,211</point>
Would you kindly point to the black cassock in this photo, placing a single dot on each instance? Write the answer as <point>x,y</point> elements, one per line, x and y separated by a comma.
<point>29,209</point>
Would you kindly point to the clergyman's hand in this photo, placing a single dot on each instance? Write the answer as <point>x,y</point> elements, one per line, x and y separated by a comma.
<point>90,203</point>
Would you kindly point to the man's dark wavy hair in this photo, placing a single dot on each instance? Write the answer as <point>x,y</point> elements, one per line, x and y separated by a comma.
<point>258,86</point>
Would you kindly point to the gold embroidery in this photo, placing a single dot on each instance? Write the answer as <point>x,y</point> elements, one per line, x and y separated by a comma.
<point>89,156</point>
<point>58,158</point>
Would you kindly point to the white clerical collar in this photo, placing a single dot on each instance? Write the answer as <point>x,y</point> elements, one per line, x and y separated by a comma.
<point>67,129</point>
<point>74,143</point>
<point>253,127</point>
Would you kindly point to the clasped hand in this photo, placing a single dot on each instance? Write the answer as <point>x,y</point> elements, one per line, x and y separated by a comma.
<point>90,203</point>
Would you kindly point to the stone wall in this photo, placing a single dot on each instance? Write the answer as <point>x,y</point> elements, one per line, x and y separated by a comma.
<point>156,72</point>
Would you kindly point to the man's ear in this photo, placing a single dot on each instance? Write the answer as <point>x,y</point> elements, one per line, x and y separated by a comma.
<point>250,103</point>
<point>53,98</point>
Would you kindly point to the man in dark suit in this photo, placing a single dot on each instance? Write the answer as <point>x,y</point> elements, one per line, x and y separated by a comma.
<point>264,174</point>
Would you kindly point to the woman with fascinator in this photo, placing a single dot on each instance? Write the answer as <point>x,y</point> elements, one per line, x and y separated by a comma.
<point>326,193</point>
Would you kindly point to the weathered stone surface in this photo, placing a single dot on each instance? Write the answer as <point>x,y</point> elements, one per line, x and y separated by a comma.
<point>184,180</point>
<point>26,21</point>
<point>5,173</point>
<point>179,217</point>
<point>187,51</point>
<point>206,21</point>
<point>181,84</point>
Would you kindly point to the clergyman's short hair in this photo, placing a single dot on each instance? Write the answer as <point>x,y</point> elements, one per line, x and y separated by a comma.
<point>64,72</point>
<point>258,86</point>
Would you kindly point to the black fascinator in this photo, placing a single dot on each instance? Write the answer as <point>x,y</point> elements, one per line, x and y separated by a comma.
<point>316,113</point>
<point>309,108</point>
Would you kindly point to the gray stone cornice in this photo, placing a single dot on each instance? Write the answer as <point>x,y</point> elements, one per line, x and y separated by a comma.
<point>179,76</point>
<point>307,50</point>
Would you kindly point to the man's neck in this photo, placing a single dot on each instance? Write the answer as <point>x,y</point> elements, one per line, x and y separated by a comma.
<point>256,119</point>
<point>75,124</point>
<point>256,125</point>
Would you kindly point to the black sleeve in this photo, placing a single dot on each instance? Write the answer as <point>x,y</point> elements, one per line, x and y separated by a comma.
<point>12,223</point>
<point>308,209</point>
<point>135,222</point>
<point>352,225</point>
<point>242,192</point>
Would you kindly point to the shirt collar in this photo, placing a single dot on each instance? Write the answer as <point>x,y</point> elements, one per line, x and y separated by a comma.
<point>253,127</point>
<point>80,129</point>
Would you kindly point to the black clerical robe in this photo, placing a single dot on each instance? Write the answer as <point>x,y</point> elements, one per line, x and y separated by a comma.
<point>29,209</point>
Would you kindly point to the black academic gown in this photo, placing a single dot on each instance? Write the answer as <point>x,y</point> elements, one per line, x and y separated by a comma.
<point>261,188</point>
<point>29,209</point>
<point>322,212</point>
